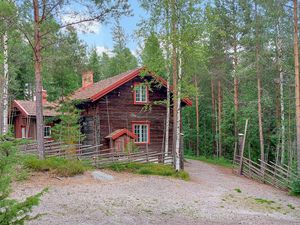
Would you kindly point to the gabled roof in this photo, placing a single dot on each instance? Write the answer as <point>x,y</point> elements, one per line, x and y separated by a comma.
<point>118,133</point>
<point>97,90</point>
<point>29,107</point>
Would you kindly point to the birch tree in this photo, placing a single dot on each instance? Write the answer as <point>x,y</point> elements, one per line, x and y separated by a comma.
<point>7,10</point>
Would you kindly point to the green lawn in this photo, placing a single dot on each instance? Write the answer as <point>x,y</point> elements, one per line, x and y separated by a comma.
<point>149,169</point>
<point>216,161</point>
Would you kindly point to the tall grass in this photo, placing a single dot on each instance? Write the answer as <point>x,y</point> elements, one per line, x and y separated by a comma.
<point>59,166</point>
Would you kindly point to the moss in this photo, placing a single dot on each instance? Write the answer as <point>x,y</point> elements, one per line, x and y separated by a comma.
<point>150,169</point>
<point>59,166</point>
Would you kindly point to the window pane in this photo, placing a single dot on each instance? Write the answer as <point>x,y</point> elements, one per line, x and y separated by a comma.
<point>141,93</point>
<point>141,130</point>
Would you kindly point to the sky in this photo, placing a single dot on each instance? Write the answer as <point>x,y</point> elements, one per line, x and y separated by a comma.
<point>101,38</point>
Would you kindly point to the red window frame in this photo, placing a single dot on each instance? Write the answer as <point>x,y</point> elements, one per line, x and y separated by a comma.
<point>146,122</point>
<point>134,94</point>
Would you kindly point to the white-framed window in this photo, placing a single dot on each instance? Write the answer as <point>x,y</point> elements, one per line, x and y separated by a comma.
<point>23,130</point>
<point>142,131</point>
<point>140,93</point>
<point>47,131</point>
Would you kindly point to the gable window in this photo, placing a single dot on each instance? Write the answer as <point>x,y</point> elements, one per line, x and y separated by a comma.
<point>140,93</point>
<point>142,130</point>
<point>47,131</point>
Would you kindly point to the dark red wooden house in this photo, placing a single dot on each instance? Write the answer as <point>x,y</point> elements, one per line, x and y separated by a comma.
<point>23,117</point>
<point>127,107</point>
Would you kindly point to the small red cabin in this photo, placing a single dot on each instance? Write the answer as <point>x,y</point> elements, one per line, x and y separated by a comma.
<point>23,117</point>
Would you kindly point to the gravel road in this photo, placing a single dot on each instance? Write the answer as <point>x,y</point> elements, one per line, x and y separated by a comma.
<point>211,197</point>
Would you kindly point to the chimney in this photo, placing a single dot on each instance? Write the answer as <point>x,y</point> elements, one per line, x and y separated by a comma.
<point>87,78</point>
<point>44,96</point>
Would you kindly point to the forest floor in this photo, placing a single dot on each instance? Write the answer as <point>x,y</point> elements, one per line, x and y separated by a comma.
<point>213,196</point>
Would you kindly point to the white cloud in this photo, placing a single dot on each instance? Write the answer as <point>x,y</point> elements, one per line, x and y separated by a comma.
<point>85,27</point>
<point>102,49</point>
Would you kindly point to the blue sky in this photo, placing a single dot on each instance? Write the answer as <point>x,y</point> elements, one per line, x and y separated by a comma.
<point>103,38</point>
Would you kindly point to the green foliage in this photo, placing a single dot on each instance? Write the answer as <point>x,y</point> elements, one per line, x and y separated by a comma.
<point>238,190</point>
<point>221,161</point>
<point>68,129</point>
<point>152,55</point>
<point>295,187</point>
<point>59,166</point>
<point>12,211</point>
<point>94,64</point>
<point>131,147</point>
<point>150,169</point>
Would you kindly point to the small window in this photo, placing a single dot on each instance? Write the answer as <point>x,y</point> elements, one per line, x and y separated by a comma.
<point>140,93</point>
<point>47,131</point>
<point>142,131</point>
<point>23,129</point>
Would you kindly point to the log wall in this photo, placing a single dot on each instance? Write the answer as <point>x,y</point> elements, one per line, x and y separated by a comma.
<point>117,110</point>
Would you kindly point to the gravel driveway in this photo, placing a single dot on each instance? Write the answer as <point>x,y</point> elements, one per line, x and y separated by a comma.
<point>211,197</point>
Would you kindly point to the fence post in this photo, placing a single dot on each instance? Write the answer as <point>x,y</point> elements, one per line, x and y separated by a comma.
<point>242,149</point>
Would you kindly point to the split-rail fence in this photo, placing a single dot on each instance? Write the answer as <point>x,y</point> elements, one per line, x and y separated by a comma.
<point>278,176</point>
<point>95,156</point>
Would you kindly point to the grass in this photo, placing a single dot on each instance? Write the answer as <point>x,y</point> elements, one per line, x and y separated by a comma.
<point>264,201</point>
<point>58,166</point>
<point>238,190</point>
<point>216,161</point>
<point>150,169</point>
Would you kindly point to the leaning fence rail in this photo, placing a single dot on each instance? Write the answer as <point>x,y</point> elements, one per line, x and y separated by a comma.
<point>265,172</point>
<point>93,155</point>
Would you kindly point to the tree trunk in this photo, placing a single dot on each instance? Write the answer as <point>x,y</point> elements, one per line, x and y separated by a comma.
<point>5,85</point>
<point>168,117</point>
<point>197,118</point>
<point>220,117</point>
<point>38,81</point>
<point>167,66</point>
<point>280,70</point>
<point>297,94</point>
<point>236,95</point>
<point>178,122</point>
<point>175,75</point>
<point>259,90</point>
<point>213,127</point>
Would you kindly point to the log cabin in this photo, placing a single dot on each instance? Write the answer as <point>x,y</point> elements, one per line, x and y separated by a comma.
<point>128,107</point>
<point>23,117</point>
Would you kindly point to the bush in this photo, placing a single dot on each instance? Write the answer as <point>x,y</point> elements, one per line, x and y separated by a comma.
<point>12,211</point>
<point>150,169</point>
<point>295,187</point>
<point>59,166</point>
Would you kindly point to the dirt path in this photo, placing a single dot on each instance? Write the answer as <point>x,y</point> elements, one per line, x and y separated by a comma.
<point>209,198</point>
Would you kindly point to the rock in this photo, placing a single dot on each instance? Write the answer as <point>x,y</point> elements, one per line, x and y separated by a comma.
<point>97,175</point>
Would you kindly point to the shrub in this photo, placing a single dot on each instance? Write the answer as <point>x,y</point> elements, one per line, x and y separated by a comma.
<point>59,166</point>
<point>12,211</point>
<point>295,187</point>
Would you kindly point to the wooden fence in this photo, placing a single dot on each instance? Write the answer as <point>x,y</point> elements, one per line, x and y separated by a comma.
<point>269,173</point>
<point>93,155</point>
